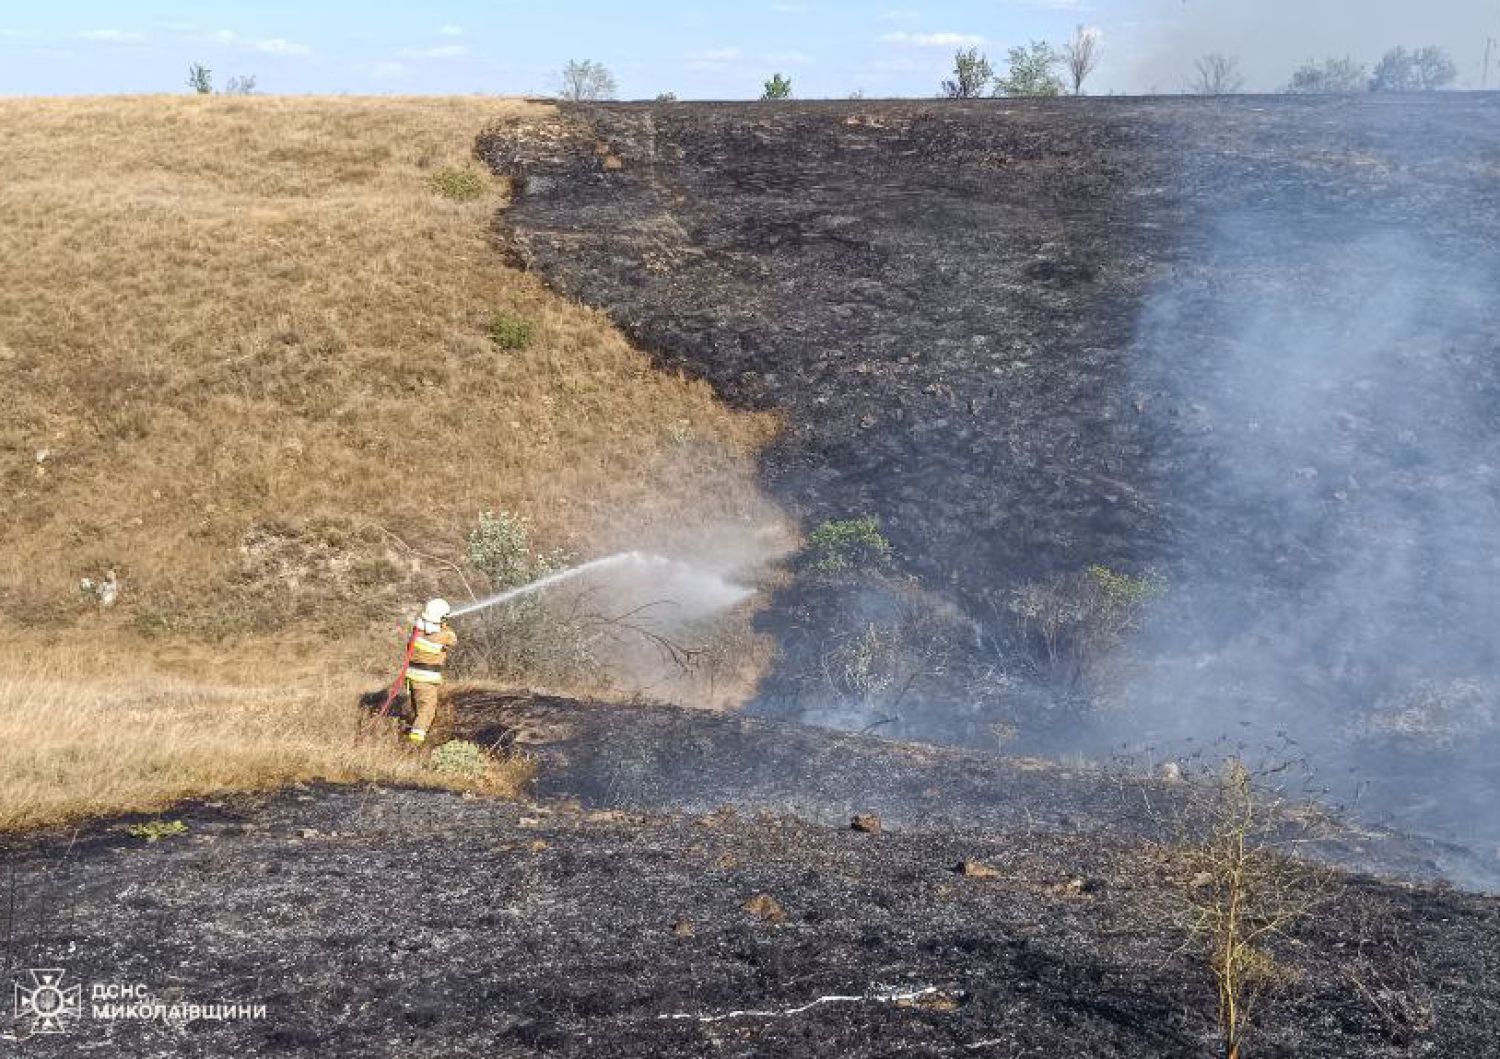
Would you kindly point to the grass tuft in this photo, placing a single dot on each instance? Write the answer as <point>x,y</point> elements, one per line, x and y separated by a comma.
<point>510,332</point>
<point>459,185</point>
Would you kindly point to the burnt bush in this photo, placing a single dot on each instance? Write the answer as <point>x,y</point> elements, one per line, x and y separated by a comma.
<point>1070,623</point>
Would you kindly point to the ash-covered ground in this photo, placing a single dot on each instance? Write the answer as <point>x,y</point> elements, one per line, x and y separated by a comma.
<point>654,903</point>
<point>1246,344</point>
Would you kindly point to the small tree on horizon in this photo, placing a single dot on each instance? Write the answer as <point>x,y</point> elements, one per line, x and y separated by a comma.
<point>1081,56</point>
<point>1330,77</point>
<point>240,85</point>
<point>1216,74</point>
<point>777,87</point>
<point>1032,71</point>
<point>972,75</point>
<point>1424,70</point>
<point>200,79</point>
<point>586,80</point>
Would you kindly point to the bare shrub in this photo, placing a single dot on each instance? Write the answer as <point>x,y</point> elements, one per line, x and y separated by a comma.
<point>1216,74</point>
<point>1423,70</point>
<point>587,80</point>
<point>1071,622</point>
<point>574,640</point>
<point>1330,77</point>
<point>1081,56</point>
<point>200,79</point>
<point>872,669</point>
<point>1238,893</point>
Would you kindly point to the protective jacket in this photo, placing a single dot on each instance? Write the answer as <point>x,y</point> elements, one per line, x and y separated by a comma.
<point>429,652</point>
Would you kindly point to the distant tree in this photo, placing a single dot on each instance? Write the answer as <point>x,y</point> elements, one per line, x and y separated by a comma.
<point>1081,55</point>
<point>240,85</point>
<point>666,97</point>
<point>1424,70</point>
<point>1435,68</point>
<point>858,93</point>
<point>1033,71</point>
<point>587,80</point>
<point>200,79</point>
<point>972,75</point>
<point>1216,74</point>
<point>1330,77</point>
<point>777,87</point>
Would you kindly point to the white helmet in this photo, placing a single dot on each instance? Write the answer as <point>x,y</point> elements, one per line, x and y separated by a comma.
<point>436,611</point>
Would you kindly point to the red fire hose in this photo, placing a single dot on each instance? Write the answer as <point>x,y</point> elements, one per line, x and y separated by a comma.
<point>411,642</point>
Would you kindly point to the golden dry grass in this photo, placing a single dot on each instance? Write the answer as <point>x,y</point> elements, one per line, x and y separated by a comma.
<point>139,740</point>
<point>243,343</point>
<point>241,338</point>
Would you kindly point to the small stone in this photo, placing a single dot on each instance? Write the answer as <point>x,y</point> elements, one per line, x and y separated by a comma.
<point>684,928</point>
<point>308,832</point>
<point>1201,880</point>
<point>974,869</point>
<point>765,907</point>
<point>866,823</point>
<point>1171,772</point>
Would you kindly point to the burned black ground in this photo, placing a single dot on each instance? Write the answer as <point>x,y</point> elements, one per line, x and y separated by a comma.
<point>1035,336</point>
<point>385,922</point>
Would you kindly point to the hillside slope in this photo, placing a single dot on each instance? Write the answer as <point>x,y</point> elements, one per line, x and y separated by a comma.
<point>1240,350</point>
<point>245,348</point>
<point>246,339</point>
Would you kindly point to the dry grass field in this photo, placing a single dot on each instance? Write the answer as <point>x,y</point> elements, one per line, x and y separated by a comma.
<point>138,741</point>
<point>246,354</point>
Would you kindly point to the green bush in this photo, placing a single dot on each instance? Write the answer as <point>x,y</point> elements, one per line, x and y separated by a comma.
<point>509,331</point>
<point>156,830</point>
<point>777,87</point>
<point>843,544</point>
<point>458,185</point>
<point>521,639</point>
<point>459,757</point>
<point>500,548</point>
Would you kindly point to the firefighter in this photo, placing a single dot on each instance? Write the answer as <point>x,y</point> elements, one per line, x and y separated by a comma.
<point>431,641</point>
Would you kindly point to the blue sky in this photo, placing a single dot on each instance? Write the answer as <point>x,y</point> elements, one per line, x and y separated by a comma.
<point>697,50</point>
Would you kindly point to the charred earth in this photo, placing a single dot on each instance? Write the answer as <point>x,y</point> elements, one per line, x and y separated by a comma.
<point>654,902</point>
<point>1245,346</point>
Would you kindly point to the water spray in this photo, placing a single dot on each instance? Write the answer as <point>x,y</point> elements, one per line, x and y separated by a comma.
<point>712,592</point>
<point>731,593</point>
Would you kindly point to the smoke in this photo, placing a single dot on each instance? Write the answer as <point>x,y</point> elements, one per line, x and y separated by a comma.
<point>1274,37</point>
<point>1336,463</point>
<point>671,619</point>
